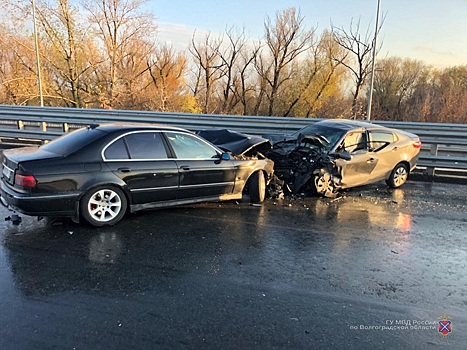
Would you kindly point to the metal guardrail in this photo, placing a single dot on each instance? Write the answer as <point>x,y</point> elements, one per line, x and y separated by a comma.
<point>444,146</point>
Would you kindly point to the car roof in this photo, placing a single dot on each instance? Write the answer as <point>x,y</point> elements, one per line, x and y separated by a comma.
<point>346,124</point>
<point>112,127</point>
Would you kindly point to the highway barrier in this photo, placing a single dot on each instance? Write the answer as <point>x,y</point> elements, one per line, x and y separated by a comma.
<point>444,146</point>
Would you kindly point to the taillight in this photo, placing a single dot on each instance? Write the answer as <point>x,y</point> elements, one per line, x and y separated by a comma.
<point>417,144</point>
<point>26,181</point>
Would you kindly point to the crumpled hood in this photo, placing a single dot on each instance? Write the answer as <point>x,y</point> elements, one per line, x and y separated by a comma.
<point>234,142</point>
<point>285,146</point>
<point>314,139</point>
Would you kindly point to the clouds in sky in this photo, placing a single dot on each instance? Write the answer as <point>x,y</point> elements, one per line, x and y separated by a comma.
<point>175,34</point>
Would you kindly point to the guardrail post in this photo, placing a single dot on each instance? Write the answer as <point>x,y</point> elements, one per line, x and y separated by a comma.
<point>65,127</point>
<point>433,152</point>
<point>43,126</point>
<point>20,124</point>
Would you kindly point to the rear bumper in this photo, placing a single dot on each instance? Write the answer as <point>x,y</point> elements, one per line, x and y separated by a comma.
<point>62,204</point>
<point>414,161</point>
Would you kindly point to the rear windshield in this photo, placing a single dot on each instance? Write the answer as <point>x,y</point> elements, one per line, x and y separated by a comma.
<point>73,141</point>
<point>333,135</point>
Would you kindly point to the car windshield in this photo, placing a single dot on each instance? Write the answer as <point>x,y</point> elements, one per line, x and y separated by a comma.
<point>333,135</point>
<point>73,141</point>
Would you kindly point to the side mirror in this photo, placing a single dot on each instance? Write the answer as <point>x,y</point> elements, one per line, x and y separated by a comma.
<point>225,156</point>
<point>345,155</point>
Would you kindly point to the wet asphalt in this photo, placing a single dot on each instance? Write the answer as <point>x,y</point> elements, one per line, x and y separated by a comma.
<point>298,273</point>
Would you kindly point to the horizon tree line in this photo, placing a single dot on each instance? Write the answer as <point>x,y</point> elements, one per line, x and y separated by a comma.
<point>105,54</point>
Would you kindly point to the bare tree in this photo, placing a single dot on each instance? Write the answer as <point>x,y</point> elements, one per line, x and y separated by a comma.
<point>18,76</point>
<point>360,48</point>
<point>316,73</point>
<point>119,24</point>
<point>245,89</point>
<point>450,95</point>
<point>395,81</point>
<point>71,54</point>
<point>167,69</point>
<point>209,69</point>
<point>262,81</point>
<point>21,75</point>
<point>133,80</point>
<point>285,40</point>
<point>230,55</point>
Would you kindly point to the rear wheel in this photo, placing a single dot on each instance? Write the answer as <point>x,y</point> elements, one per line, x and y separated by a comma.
<point>398,176</point>
<point>103,206</point>
<point>257,187</point>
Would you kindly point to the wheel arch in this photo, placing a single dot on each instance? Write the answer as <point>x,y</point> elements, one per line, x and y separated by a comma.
<point>78,217</point>
<point>265,174</point>
<point>256,186</point>
<point>407,165</point>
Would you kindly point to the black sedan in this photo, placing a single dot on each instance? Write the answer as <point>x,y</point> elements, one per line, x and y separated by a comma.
<point>100,172</point>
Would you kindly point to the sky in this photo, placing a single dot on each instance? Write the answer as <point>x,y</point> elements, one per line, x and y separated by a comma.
<point>433,31</point>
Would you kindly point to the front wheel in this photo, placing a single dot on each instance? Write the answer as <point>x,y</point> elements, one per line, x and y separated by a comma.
<point>103,206</point>
<point>398,176</point>
<point>324,185</point>
<point>257,187</point>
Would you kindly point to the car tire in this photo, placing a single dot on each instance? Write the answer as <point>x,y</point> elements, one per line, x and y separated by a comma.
<point>398,176</point>
<point>103,206</point>
<point>323,185</point>
<point>257,187</point>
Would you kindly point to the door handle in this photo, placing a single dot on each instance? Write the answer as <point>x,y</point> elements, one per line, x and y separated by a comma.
<point>371,160</point>
<point>124,170</point>
<point>395,148</point>
<point>185,167</point>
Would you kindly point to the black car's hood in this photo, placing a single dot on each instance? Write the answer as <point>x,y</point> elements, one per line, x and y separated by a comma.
<point>24,154</point>
<point>234,142</point>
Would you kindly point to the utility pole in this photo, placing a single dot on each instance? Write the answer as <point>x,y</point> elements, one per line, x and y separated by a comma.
<point>372,79</point>
<point>38,61</point>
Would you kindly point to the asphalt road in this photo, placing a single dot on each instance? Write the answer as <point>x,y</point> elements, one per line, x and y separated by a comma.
<point>375,269</point>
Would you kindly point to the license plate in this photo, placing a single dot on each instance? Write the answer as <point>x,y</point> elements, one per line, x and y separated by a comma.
<point>7,172</point>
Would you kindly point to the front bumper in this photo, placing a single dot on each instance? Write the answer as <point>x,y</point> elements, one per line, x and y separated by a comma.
<point>60,204</point>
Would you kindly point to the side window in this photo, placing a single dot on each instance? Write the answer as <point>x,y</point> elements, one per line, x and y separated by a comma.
<point>187,146</point>
<point>116,150</point>
<point>355,142</point>
<point>146,145</point>
<point>380,140</point>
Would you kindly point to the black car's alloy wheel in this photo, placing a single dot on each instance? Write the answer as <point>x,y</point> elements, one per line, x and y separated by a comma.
<point>103,206</point>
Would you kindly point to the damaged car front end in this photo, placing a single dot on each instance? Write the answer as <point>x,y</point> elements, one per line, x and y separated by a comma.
<point>330,155</point>
<point>307,157</point>
<point>250,149</point>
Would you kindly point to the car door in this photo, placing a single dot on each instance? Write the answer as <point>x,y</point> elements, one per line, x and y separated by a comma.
<point>140,160</point>
<point>201,171</point>
<point>357,171</point>
<point>382,143</point>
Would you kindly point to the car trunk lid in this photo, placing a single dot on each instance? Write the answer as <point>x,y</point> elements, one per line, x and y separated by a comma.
<point>12,158</point>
